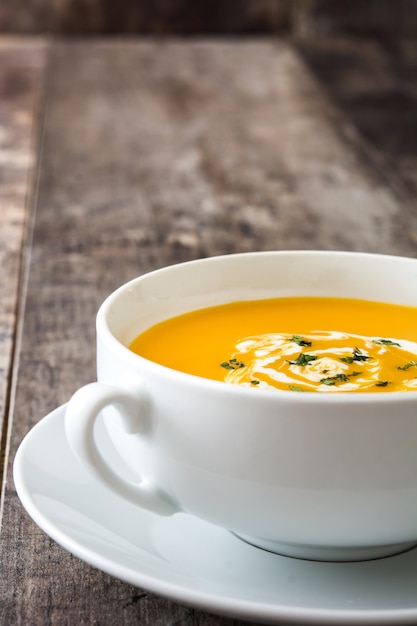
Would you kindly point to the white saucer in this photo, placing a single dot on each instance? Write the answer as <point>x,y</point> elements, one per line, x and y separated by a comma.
<point>195,563</point>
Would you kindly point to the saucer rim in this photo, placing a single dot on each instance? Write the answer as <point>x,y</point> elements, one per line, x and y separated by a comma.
<point>266,612</point>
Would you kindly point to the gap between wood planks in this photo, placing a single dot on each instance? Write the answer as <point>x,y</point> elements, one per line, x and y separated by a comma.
<point>27,57</point>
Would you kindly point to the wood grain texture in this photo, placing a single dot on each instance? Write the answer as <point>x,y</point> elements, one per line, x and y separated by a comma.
<point>384,19</point>
<point>157,17</point>
<point>374,84</point>
<point>22,66</point>
<point>156,153</point>
<point>307,18</point>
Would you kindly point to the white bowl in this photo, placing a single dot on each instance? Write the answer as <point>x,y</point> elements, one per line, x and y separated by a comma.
<point>318,476</point>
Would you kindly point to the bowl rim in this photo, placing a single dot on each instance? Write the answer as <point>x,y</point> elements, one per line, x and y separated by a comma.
<point>135,361</point>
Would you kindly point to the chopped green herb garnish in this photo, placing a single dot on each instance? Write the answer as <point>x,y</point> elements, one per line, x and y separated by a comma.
<point>382,383</point>
<point>303,359</point>
<point>236,363</point>
<point>300,341</point>
<point>407,365</point>
<point>294,388</point>
<point>232,364</point>
<point>254,382</point>
<point>338,378</point>
<point>332,380</point>
<point>386,342</point>
<point>357,355</point>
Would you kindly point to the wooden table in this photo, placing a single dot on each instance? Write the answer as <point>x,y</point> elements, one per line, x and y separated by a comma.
<point>121,156</point>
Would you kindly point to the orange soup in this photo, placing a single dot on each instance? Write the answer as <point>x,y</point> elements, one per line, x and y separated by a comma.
<point>293,344</point>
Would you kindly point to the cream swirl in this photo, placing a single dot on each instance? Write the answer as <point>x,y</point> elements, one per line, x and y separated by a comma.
<point>324,361</point>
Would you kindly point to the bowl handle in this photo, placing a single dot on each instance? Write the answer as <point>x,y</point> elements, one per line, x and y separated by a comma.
<point>81,414</point>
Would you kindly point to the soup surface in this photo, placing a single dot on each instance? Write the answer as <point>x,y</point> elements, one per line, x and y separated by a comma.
<point>294,344</point>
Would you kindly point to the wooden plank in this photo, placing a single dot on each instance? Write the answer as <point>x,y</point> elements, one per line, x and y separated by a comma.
<point>148,16</point>
<point>374,85</point>
<point>382,18</point>
<point>156,153</point>
<point>22,66</point>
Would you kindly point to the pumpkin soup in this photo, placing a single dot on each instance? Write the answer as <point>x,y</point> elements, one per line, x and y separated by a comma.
<point>294,344</point>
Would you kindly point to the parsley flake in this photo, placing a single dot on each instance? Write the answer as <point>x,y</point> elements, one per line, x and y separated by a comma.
<point>303,359</point>
<point>407,366</point>
<point>357,355</point>
<point>236,363</point>
<point>300,341</point>
<point>232,364</point>
<point>332,380</point>
<point>386,342</point>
